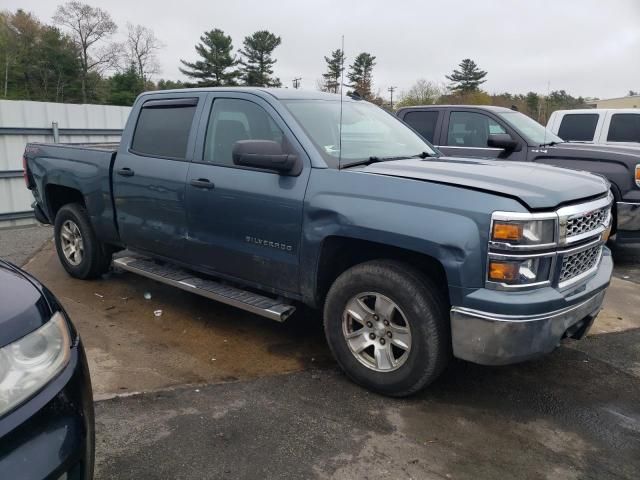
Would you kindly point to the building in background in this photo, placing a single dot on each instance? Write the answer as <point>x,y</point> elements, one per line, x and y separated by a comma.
<point>25,121</point>
<point>631,101</point>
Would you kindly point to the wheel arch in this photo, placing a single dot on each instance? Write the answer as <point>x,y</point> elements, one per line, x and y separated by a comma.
<point>59,195</point>
<point>339,253</point>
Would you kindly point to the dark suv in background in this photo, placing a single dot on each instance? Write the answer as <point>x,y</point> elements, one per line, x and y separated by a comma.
<point>495,132</point>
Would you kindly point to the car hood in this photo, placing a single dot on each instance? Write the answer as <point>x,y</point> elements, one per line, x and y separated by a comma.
<point>23,308</point>
<point>536,186</point>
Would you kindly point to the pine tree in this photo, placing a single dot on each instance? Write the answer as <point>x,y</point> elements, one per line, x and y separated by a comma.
<point>468,79</point>
<point>257,62</point>
<point>125,86</point>
<point>217,65</point>
<point>361,74</point>
<point>335,66</point>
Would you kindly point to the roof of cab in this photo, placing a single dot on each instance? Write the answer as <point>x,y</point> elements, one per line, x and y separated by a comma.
<point>491,108</point>
<point>279,93</point>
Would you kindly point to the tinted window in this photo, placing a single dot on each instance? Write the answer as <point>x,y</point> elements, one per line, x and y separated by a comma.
<point>625,127</point>
<point>232,120</point>
<point>163,129</point>
<point>581,127</point>
<point>468,129</point>
<point>423,122</point>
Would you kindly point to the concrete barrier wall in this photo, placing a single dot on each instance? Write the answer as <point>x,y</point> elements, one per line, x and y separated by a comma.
<point>24,121</point>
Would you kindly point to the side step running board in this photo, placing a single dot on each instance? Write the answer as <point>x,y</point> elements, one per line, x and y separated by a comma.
<point>177,277</point>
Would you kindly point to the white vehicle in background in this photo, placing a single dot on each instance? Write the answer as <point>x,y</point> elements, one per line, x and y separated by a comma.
<point>606,126</point>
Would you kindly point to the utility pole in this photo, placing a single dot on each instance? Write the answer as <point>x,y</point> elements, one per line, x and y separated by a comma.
<point>296,82</point>
<point>391,90</point>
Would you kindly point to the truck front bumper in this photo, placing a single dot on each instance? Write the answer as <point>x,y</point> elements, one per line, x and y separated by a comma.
<point>628,222</point>
<point>500,339</point>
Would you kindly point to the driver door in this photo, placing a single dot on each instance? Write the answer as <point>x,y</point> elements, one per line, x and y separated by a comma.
<point>466,134</point>
<point>244,223</point>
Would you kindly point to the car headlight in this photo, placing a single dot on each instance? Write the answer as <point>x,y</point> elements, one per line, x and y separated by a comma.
<point>515,233</point>
<point>638,175</point>
<point>514,271</point>
<point>521,247</point>
<point>29,363</point>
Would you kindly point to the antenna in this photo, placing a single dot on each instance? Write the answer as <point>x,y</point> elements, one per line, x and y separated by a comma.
<point>546,101</point>
<point>341,99</point>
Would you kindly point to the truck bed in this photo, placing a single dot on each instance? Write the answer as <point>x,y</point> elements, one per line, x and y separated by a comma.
<point>81,167</point>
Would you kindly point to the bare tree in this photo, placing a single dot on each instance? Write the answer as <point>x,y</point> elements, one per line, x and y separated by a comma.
<point>423,92</point>
<point>142,46</point>
<point>91,28</point>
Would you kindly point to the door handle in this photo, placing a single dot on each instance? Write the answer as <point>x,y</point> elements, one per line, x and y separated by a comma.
<point>202,183</point>
<point>126,172</point>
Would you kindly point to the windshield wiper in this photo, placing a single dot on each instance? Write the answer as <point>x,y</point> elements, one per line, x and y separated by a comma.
<point>403,157</point>
<point>376,159</point>
<point>550,144</point>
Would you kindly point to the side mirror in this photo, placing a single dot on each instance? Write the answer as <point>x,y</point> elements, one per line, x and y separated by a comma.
<point>502,140</point>
<point>265,154</point>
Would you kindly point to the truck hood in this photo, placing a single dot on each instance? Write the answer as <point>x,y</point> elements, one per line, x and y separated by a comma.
<point>627,154</point>
<point>537,186</point>
<point>23,308</point>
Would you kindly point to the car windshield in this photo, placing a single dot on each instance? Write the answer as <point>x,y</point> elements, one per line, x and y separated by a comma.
<point>367,131</point>
<point>530,129</point>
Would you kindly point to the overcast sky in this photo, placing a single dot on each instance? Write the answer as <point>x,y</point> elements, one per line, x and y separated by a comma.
<point>587,47</point>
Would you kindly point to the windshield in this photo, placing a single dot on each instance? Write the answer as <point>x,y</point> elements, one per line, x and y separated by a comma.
<point>367,131</point>
<point>530,129</point>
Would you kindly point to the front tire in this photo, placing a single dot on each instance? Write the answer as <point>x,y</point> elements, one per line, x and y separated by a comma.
<point>387,327</point>
<point>79,251</point>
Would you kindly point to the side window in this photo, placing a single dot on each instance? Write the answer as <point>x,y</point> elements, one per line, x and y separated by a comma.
<point>624,127</point>
<point>232,120</point>
<point>423,122</point>
<point>469,129</point>
<point>578,126</point>
<point>163,128</point>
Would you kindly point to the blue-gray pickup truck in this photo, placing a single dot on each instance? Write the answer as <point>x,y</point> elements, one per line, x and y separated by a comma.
<point>264,199</point>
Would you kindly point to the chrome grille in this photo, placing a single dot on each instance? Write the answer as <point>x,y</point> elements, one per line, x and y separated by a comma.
<point>578,263</point>
<point>587,222</point>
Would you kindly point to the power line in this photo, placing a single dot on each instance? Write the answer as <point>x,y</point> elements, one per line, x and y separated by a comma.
<point>391,90</point>
<point>296,82</point>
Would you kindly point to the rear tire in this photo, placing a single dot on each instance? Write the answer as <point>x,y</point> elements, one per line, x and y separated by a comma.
<point>396,318</point>
<point>79,251</point>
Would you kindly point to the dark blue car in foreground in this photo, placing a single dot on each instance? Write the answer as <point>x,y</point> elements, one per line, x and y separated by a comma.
<point>46,403</point>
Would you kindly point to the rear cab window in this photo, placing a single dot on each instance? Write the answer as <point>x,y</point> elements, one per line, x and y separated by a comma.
<point>624,127</point>
<point>163,128</point>
<point>578,126</point>
<point>423,122</point>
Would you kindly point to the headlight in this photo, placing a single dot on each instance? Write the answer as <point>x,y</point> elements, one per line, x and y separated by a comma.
<point>638,175</point>
<point>521,249</point>
<point>523,233</point>
<point>513,271</point>
<point>28,364</point>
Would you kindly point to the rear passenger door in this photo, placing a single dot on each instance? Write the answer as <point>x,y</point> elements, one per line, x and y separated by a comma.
<point>244,223</point>
<point>466,133</point>
<point>150,171</point>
